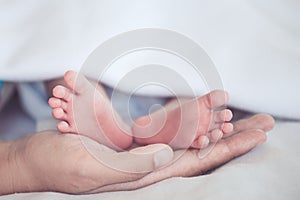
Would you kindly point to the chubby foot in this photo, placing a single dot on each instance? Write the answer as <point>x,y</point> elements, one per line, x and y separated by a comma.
<point>85,109</point>
<point>193,123</point>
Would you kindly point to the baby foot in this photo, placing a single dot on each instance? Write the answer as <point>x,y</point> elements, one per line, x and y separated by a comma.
<point>84,109</point>
<point>193,123</point>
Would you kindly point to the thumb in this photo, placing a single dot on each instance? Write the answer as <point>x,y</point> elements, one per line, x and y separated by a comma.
<point>155,156</point>
<point>143,159</point>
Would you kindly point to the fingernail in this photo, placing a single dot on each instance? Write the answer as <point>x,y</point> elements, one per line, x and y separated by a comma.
<point>204,141</point>
<point>163,157</point>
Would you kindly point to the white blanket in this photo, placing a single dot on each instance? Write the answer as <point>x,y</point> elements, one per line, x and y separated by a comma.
<point>255,46</point>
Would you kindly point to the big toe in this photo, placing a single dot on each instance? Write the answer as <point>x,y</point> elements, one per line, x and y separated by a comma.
<point>215,99</point>
<point>76,81</point>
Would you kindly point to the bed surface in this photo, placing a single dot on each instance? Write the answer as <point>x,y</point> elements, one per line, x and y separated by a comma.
<point>271,171</point>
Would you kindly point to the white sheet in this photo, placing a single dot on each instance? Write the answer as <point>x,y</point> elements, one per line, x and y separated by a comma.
<point>254,46</point>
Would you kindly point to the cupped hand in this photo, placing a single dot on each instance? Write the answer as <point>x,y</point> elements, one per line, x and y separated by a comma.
<point>50,161</point>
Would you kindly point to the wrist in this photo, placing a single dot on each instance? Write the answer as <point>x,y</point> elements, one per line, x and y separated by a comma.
<point>6,168</point>
<point>15,170</point>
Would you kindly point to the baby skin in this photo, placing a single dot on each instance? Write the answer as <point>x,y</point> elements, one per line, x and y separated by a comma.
<point>83,107</point>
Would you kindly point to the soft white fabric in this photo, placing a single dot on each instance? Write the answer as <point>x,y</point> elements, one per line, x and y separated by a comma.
<point>254,46</point>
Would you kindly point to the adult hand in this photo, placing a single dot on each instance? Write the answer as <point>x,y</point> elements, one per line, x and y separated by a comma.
<point>50,161</point>
<point>247,134</point>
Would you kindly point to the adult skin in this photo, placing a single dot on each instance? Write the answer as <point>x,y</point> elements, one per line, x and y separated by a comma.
<point>49,161</point>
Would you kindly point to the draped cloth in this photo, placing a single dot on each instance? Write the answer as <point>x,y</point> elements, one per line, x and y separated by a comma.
<point>255,47</point>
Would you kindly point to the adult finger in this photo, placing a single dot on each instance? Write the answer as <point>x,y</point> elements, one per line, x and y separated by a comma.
<point>189,163</point>
<point>259,121</point>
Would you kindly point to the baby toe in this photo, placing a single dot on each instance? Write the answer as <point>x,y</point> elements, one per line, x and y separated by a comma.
<point>215,135</point>
<point>58,113</point>
<point>62,92</point>
<point>223,116</point>
<point>201,142</point>
<point>76,81</point>
<point>227,128</point>
<point>64,127</point>
<point>215,99</point>
<point>54,102</point>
